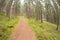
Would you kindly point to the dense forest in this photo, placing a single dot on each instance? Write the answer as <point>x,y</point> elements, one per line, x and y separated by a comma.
<point>42,15</point>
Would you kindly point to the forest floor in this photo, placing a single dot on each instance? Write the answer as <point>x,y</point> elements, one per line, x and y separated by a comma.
<point>23,31</point>
<point>7,27</point>
<point>43,31</point>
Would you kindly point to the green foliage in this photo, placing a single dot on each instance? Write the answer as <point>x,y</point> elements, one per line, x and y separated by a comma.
<point>5,31</point>
<point>44,31</point>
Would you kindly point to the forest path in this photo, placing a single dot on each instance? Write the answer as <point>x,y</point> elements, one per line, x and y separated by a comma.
<point>23,31</point>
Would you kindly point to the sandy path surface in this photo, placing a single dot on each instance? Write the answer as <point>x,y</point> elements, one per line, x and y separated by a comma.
<point>23,31</point>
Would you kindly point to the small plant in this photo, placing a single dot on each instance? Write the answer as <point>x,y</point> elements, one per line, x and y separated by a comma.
<point>4,29</point>
<point>10,26</point>
<point>0,35</point>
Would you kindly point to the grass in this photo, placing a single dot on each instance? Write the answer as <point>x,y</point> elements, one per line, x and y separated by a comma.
<point>45,30</point>
<point>58,34</point>
<point>7,27</point>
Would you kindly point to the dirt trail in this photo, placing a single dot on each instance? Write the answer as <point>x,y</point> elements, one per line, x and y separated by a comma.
<point>23,31</point>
